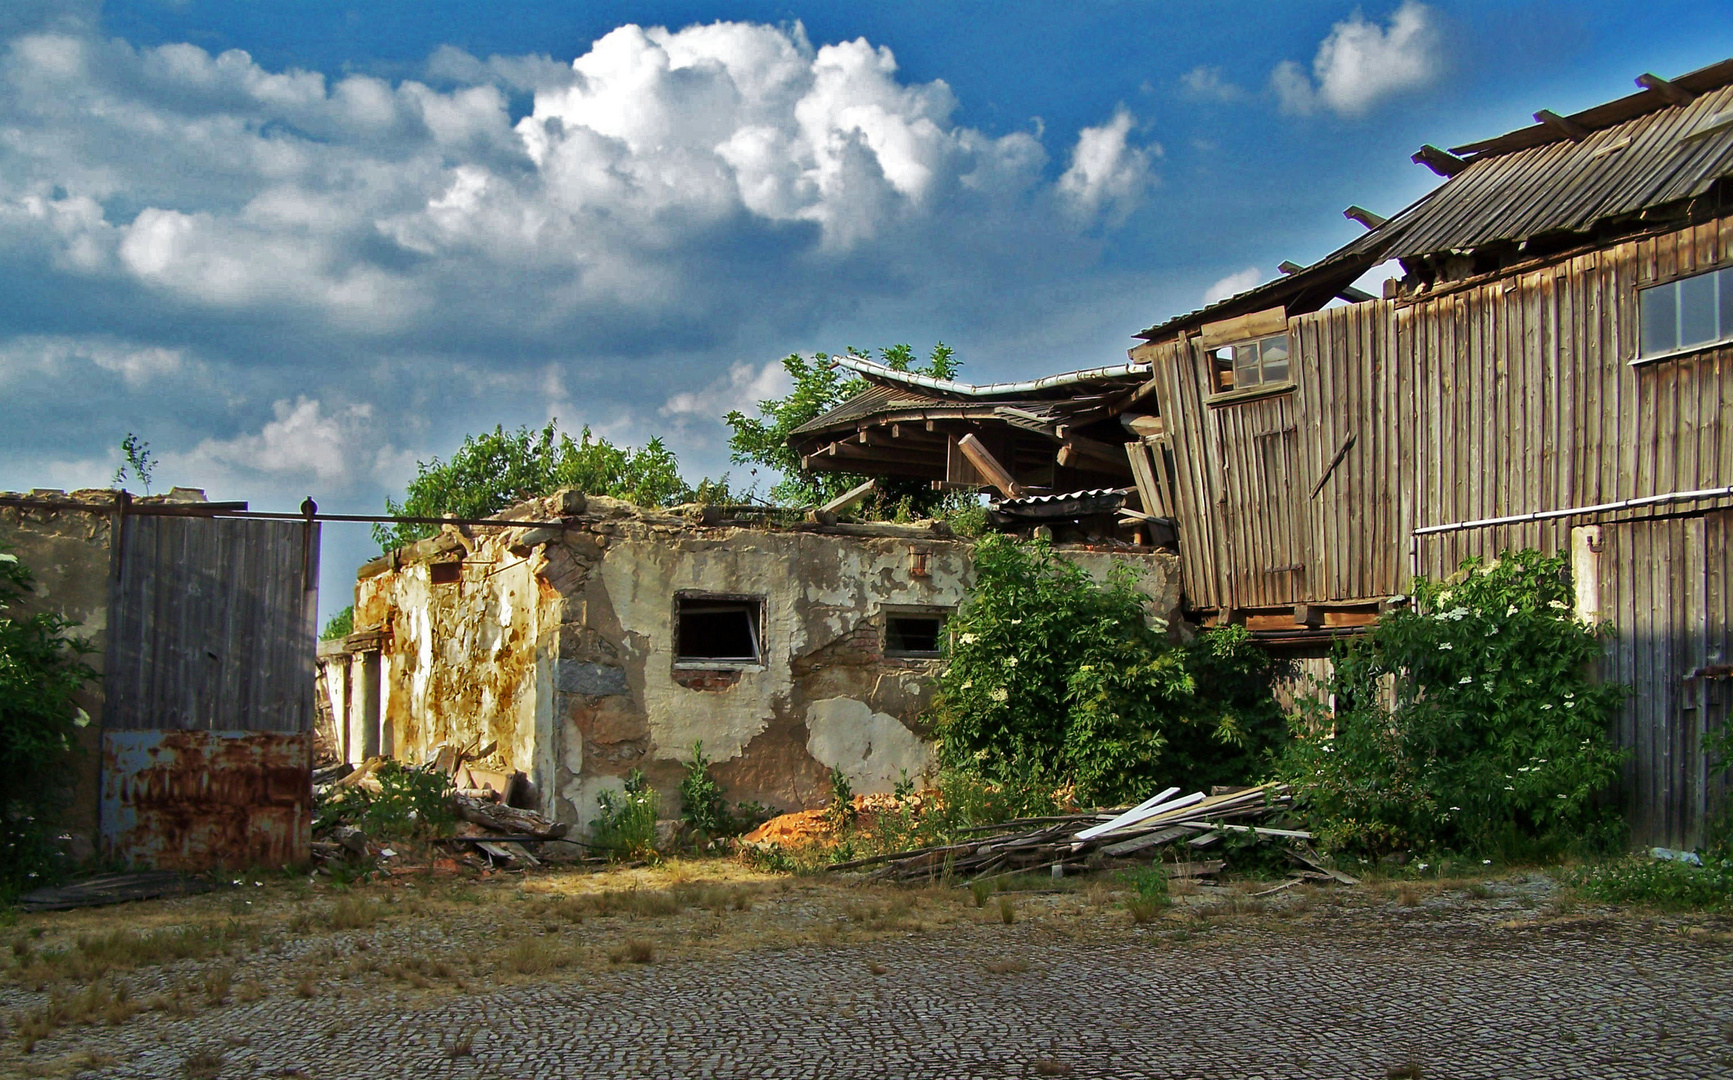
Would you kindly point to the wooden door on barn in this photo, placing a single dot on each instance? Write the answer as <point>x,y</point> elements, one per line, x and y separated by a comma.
<point>1266,534</point>
<point>1665,586</point>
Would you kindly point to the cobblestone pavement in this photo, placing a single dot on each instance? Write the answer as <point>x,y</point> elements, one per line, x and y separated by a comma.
<point>1357,988</point>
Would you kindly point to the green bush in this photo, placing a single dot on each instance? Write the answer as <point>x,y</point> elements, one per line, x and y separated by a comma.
<point>1661,883</point>
<point>1470,721</point>
<point>412,801</point>
<point>626,826</point>
<point>1058,683</point>
<point>702,805</point>
<point>41,670</point>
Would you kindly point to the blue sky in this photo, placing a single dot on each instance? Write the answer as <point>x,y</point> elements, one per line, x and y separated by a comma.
<point>298,247</point>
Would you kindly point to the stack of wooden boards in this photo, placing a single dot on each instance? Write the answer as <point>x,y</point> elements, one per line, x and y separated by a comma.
<point>1101,840</point>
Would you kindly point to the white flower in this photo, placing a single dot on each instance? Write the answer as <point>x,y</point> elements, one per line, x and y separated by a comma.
<point>82,720</point>
<point>999,694</point>
<point>1523,769</point>
<point>968,684</point>
<point>1465,680</point>
<point>1545,708</point>
<point>1568,694</point>
<point>1558,605</point>
<point>7,558</point>
<point>1511,610</point>
<point>1570,704</point>
<point>1016,622</point>
<point>1561,796</point>
<point>1456,807</point>
<point>967,639</point>
<point>1445,646</point>
<point>1010,661</point>
<point>1507,787</point>
<point>1486,862</point>
<point>1423,865</point>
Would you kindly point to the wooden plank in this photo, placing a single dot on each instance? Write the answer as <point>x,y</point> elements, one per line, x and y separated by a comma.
<point>1243,327</point>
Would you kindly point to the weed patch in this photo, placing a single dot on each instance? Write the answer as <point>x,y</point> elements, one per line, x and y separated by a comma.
<point>1660,883</point>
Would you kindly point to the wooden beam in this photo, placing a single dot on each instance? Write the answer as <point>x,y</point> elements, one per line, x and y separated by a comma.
<point>1442,162</point>
<point>1243,327</point>
<point>1672,91</point>
<point>1308,615</point>
<point>849,498</point>
<point>1563,125</point>
<point>1288,266</point>
<point>1076,446</point>
<point>988,466</point>
<point>1142,424</point>
<point>1363,216</point>
<point>1137,395</point>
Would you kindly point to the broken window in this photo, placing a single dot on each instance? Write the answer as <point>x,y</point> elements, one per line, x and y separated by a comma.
<point>914,634</point>
<point>444,573</point>
<point>1252,363</point>
<point>713,630</point>
<point>1686,314</point>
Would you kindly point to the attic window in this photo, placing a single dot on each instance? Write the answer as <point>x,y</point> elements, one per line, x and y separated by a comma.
<point>444,573</point>
<point>1689,313</point>
<point>1251,363</point>
<point>714,631</point>
<point>914,636</point>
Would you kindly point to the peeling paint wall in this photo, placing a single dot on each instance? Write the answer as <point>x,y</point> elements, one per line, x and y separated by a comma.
<point>559,644</point>
<point>68,552</point>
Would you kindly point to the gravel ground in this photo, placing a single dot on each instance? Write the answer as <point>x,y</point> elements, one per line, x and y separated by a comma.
<point>1506,978</point>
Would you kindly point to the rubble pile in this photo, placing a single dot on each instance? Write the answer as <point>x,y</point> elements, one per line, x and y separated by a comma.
<point>818,828</point>
<point>1083,842</point>
<point>472,825</point>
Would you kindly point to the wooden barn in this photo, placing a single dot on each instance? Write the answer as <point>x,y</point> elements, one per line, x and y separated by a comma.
<point>1549,370</point>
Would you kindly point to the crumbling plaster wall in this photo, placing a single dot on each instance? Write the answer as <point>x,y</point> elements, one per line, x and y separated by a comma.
<point>558,643</point>
<point>68,552</point>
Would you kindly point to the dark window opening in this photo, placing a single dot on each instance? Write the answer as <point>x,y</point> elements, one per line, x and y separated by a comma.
<point>913,635</point>
<point>445,573</point>
<point>717,631</point>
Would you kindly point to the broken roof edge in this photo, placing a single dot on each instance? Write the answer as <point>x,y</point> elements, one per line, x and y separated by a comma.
<point>873,370</point>
<point>1324,278</point>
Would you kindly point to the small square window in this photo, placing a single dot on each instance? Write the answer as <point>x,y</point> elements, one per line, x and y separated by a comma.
<point>1251,363</point>
<point>914,635</point>
<point>718,630</point>
<point>445,573</point>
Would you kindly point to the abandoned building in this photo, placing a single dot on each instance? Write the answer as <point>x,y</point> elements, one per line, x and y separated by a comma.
<point>201,620</point>
<point>1550,370</point>
<point>601,637</point>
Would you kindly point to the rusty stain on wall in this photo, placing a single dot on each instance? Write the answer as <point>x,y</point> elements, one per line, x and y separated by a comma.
<point>191,800</point>
<point>558,645</point>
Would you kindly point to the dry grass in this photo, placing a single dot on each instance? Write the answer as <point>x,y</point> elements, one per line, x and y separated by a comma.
<point>540,956</point>
<point>354,913</point>
<point>1408,895</point>
<point>307,986</point>
<point>202,1065</point>
<point>1049,1067</point>
<point>90,956</point>
<point>463,1045</point>
<point>1143,909</point>
<point>633,951</point>
<point>1007,910</point>
<point>1006,967</point>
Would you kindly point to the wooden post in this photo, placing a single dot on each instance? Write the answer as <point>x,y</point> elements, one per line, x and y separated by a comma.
<point>988,466</point>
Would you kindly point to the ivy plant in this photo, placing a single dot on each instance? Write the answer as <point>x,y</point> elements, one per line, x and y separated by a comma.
<point>1472,720</point>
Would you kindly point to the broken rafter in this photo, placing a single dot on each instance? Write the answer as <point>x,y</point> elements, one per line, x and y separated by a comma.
<point>1563,125</point>
<point>988,466</point>
<point>1442,162</point>
<point>1346,292</point>
<point>1363,216</point>
<point>1672,91</point>
<point>1077,450</point>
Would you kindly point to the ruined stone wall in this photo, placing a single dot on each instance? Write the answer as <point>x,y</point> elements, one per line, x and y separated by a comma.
<point>68,552</point>
<point>560,644</point>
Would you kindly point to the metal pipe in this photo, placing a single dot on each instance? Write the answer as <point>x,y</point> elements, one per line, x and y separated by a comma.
<point>1575,511</point>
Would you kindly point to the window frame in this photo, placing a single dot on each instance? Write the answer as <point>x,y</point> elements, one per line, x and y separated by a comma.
<point>1724,314</point>
<point>888,612</point>
<point>1263,387</point>
<point>757,626</point>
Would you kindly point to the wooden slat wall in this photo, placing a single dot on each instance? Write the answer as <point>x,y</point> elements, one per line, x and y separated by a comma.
<point>1512,396</point>
<point>211,626</point>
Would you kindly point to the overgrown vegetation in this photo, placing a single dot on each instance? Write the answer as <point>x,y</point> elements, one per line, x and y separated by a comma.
<point>1662,883</point>
<point>413,801</point>
<point>1061,688</point>
<point>340,625</point>
<point>136,460</point>
<point>1470,721</point>
<point>497,469</point>
<point>820,386</point>
<point>702,802</point>
<point>41,671</point>
<point>626,825</point>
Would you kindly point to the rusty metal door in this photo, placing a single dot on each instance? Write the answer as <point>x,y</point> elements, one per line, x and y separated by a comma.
<point>208,712</point>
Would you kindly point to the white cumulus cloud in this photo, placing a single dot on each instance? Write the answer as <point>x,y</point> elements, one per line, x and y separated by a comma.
<point>1362,63</point>
<point>1232,285</point>
<point>741,390</point>
<point>1107,174</point>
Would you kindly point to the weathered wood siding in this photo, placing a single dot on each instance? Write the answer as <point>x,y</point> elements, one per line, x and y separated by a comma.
<point>1505,397</point>
<point>1510,396</point>
<point>211,626</point>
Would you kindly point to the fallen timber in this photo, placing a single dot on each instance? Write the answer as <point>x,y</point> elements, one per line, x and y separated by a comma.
<point>1096,840</point>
